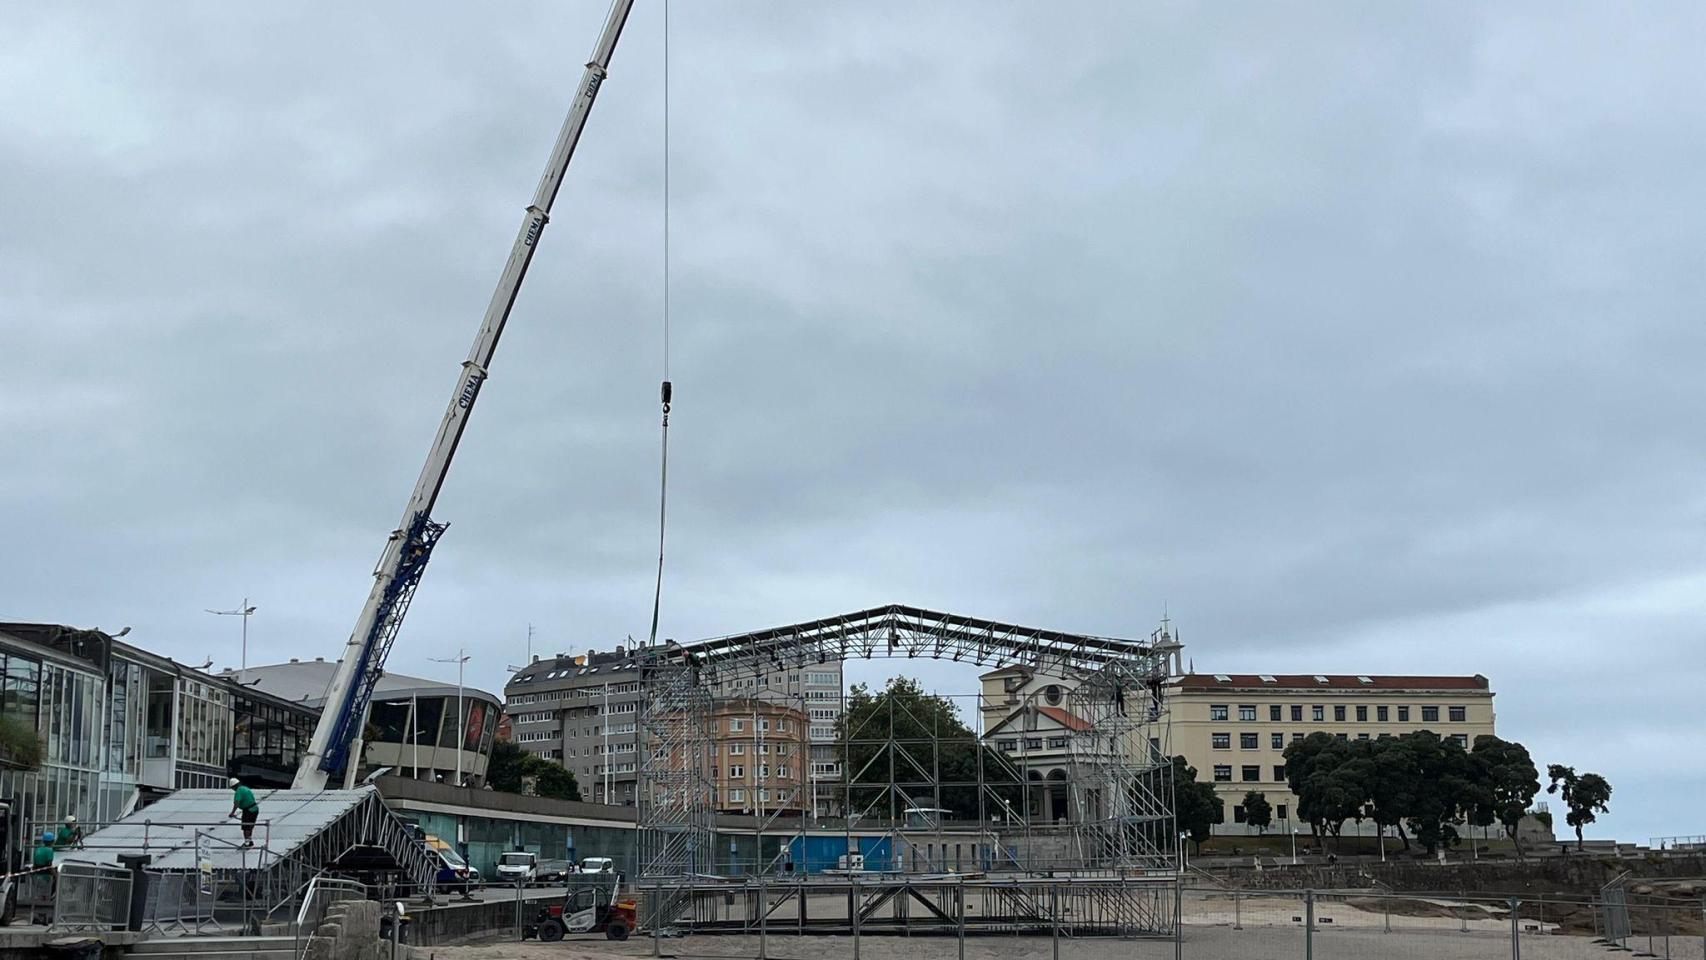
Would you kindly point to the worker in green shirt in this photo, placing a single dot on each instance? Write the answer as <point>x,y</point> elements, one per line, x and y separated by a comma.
<point>243,801</point>
<point>70,835</point>
<point>44,852</point>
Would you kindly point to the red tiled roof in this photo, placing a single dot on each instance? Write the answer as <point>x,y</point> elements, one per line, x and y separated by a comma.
<point>1065,718</point>
<point>1070,721</point>
<point>1337,681</point>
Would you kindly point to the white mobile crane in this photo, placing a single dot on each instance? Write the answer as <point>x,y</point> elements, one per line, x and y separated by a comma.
<point>332,752</point>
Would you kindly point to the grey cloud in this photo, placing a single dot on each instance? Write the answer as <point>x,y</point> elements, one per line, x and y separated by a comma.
<point>1362,338</point>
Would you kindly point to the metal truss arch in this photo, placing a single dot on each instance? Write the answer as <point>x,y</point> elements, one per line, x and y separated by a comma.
<point>1114,773</point>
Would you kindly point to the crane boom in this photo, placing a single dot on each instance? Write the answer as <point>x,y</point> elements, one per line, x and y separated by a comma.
<point>410,545</point>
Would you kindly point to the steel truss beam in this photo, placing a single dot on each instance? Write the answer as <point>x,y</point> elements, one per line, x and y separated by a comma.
<point>1119,788</point>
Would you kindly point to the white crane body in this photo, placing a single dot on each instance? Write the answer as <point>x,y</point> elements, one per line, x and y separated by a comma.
<point>410,545</point>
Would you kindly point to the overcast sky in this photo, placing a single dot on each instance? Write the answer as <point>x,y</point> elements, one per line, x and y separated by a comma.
<point>1362,338</point>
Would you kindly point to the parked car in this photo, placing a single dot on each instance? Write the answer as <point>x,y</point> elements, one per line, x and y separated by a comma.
<point>597,865</point>
<point>553,871</point>
<point>517,866</point>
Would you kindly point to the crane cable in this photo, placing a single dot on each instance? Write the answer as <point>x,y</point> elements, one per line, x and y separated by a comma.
<point>666,390</point>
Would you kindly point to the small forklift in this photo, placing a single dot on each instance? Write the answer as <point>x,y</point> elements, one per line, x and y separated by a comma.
<point>590,909</point>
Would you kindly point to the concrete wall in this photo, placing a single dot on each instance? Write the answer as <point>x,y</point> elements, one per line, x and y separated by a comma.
<point>1571,874</point>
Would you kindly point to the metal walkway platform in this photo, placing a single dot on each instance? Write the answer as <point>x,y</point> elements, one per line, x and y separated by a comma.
<point>299,834</point>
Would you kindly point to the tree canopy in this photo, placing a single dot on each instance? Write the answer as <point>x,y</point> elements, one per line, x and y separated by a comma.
<point>1585,795</point>
<point>920,741</point>
<point>1510,779</point>
<point>510,768</point>
<point>1420,780</point>
<point>1196,805</point>
<point>1258,812</point>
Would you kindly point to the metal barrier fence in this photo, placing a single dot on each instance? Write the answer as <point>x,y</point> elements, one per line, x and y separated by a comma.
<point>936,918</point>
<point>91,897</point>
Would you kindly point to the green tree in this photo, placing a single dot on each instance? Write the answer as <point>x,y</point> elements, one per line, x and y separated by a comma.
<point>20,745</point>
<point>917,742</point>
<point>510,767</point>
<point>1510,781</point>
<point>1258,812</point>
<point>1329,790</point>
<point>1446,788</point>
<point>551,779</point>
<point>1392,784</point>
<point>1196,805</point>
<point>504,768</point>
<point>1585,795</point>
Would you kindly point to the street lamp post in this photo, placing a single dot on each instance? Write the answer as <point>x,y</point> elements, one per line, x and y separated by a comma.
<point>245,611</point>
<point>461,660</point>
<point>1294,845</point>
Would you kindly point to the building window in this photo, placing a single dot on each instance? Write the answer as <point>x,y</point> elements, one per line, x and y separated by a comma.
<point>1362,736</point>
<point>1056,743</point>
<point>1339,713</point>
<point>737,796</point>
<point>737,749</point>
<point>1033,743</point>
<point>1220,741</point>
<point>1297,738</point>
<point>1461,739</point>
<point>1382,714</point>
<point>1248,741</point>
<point>1223,773</point>
<point>1403,714</point>
<point>1362,714</point>
<point>1458,714</point>
<point>1282,812</point>
<point>1430,714</point>
<point>1276,741</point>
<point>1246,712</point>
<point>1252,774</point>
<point>1342,736</point>
<point>1007,745</point>
<point>1317,713</point>
<point>1217,711</point>
<point>1296,714</point>
<point>1052,694</point>
<point>736,771</point>
<point>1238,814</point>
<point>1279,777</point>
<point>736,725</point>
<point>1274,712</point>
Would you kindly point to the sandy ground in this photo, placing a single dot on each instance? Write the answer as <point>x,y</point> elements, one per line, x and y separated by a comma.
<point>1203,943</point>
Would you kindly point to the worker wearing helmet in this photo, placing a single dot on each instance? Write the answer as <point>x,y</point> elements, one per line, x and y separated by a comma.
<point>243,801</point>
<point>70,835</point>
<point>43,856</point>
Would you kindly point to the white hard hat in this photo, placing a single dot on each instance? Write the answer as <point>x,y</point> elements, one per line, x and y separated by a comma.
<point>71,819</point>
<point>236,782</point>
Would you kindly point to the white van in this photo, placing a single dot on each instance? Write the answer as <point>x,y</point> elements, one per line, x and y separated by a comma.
<point>517,867</point>
<point>597,865</point>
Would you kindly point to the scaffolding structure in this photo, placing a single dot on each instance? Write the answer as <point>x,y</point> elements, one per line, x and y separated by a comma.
<point>1104,808</point>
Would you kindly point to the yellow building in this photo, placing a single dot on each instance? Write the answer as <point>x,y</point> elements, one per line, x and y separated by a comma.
<point>1234,728</point>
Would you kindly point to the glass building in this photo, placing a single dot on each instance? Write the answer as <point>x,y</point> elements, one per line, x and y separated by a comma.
<point>95,728</point>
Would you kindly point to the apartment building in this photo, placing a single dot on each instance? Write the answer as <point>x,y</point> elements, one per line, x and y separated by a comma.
<point>582,711</point>
<point>816,691</point>
<point>1234,728</point>
<point>758,757</point>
